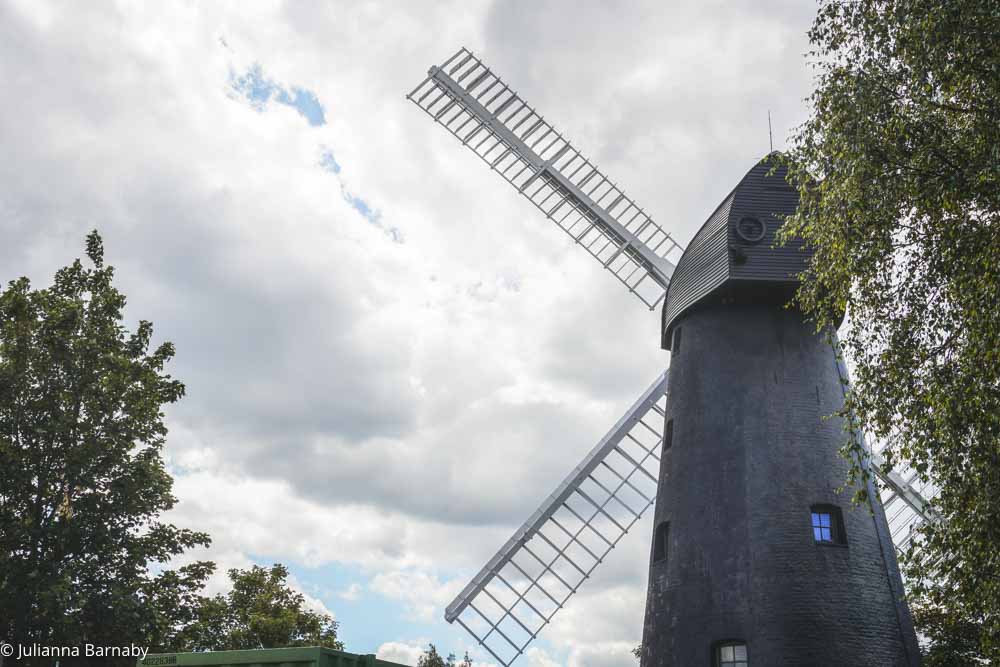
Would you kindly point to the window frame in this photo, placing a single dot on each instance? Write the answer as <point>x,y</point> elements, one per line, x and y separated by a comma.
<point>718,646</point>
<point>838,536</point>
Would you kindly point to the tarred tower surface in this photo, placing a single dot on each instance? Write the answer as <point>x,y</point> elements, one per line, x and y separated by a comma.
<point>756,558</point>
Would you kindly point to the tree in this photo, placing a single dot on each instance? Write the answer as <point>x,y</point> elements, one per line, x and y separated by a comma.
<point>953,641</point>
<point>431,658</point>
<point>260,611</point>
<point>898,169</point>
<point>82,480</point>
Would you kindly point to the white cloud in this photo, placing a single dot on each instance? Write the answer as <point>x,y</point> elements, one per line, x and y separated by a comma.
<point>603,654</point>
<point>351,594</point>
<point>268,519</point>
<point>424,595</point>
<point>537,657</point>
<point>404,654</point>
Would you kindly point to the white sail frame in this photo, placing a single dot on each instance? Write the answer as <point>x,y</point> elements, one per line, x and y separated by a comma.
<point>544,563</point>
<point>488,117</point>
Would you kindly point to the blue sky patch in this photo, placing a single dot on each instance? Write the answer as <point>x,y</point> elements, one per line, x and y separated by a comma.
<point>328,161</point>
<point>371,215</point>
<point>259,90</point>
<point>362,207</point>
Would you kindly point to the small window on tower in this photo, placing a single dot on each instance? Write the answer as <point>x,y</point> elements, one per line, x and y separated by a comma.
<point>827,525</point>
<point>668,435</point>
<point>660,542</point>
<point>731,654</point>
<point>675,349</point>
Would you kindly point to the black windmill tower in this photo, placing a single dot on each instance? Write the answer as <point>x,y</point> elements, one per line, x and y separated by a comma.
<point>756,559</point>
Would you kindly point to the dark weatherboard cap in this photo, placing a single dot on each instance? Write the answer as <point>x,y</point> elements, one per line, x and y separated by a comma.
<point>734,257</point>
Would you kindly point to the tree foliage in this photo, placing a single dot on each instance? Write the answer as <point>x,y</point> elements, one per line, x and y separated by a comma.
<point>431,658</point>
<point>82,480</point>
<point>898,169</point>
<point>259,611</point>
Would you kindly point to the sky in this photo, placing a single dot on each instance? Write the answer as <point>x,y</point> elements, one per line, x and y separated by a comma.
<point>390,358</point>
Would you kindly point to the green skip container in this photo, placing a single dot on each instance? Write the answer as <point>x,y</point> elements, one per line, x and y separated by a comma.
<point>312,656</point>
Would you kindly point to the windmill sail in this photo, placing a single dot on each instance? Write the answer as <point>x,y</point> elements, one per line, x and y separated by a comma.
<point>906,499</point>
<point>536,572</point>
<point>482,111</point>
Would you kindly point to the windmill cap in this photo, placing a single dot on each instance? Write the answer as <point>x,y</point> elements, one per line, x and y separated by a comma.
<point>735,256</point>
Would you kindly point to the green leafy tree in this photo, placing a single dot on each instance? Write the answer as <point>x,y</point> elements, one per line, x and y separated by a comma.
<point>431,658</point>
<point>898,168</point>
<point>953,641</point>
<point>82,480</point>
<point>260,611</point>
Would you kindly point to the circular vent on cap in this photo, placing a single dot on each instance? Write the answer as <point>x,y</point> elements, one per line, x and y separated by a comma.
<point>750,229</point>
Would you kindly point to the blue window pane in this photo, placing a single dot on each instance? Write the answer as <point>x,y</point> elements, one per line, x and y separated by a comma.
<point>817,533</point>
<point>824,519</point>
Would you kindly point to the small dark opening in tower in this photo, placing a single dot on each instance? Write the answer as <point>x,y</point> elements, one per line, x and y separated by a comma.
<point>668,435</point>
<point>675,349</point>
<point>827,524</point>
<point>751,230</point>
<point>660,542</point>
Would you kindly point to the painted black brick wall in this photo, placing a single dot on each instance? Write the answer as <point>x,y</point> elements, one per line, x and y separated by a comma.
<point>751,453</point>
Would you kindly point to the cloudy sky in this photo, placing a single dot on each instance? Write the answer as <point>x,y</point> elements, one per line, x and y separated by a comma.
<point>390,357</point>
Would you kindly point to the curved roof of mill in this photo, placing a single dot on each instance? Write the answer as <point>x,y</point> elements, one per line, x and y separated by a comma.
<point>718,257</point>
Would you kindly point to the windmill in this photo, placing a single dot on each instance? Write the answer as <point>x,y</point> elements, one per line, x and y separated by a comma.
<point>755,557</point>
